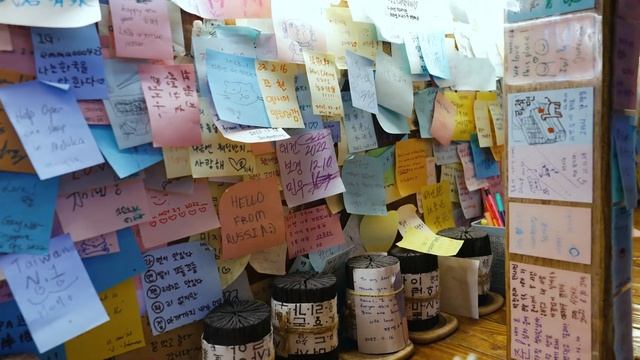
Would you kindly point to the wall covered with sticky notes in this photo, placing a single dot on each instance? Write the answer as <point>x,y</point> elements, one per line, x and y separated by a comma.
<point>158,158</point>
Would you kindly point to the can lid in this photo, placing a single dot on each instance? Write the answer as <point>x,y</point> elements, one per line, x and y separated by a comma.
<point>304,287</point>
<point>476,241</point>
<point>368,262</point>
<point>414,262</point>
<point>237,323</point>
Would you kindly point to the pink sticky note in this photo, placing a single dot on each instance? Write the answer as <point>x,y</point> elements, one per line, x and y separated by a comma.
<point>141,29</point>
<point>5,38</point>
<point>470,179</point>
<point>625,64</point>
<point>233,9</point>
<point>174,112</point>
<point>470,201</point>
<point>99,245</point>
<point>99,210</point>
<point>94,112</point>
<point>21,58</point>
<point>308,167</point>
<point>444,115</point>
<point>311,230</point>
<point>174,216</point>
<point>550,312</point>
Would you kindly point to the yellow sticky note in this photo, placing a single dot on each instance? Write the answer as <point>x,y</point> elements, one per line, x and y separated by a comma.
<point>498,122</point>
<point>379,232</point>
<point>122,333</point>
<point>486,96</point>
<point>426,241</point>
<point>346,34</point>
<point>497,152</point>
<point>411,165</point>
<point>216,189</point>
<point>465,122</point>
<point>278,87</point>
<point>448,173</point>
<point>483,123</point>
<point>335,203</point>
<point>176,161</point>
<point>266,167</point>
<point>323,82</point>
<point>391,193</point>
<point>228,269</point>
<point>222,158</point>
<point>436,206</point>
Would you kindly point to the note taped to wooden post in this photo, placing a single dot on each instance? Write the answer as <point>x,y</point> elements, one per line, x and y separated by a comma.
<point>193,267</point>
<point>252,217</point>
<point>65,144</point>
<point>411,165</point>
<point>26,210</point>
<point>58,14</point>
<point>553,232</point>
<point>173,216</point>
<point>436,206</point>
<point>557,49</point>
<point>323,80</point>
<point>312,230</point>
<point>563,318</point>
<point>54,293</point>
<point>308,167</point>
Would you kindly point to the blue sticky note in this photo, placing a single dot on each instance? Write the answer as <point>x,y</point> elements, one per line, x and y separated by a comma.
<point>106,271</point>
<point>54,293</point>
<point>434,52</point>
<point>621,251</point>
<point>15,337</point>
<point>125,162</point>
<point>192,265</point>
<point>26,212</point>
<point>51,128</point>
<point>363,178</point>
<point>393,82</point>
<point>361,134</point>
<point>424,103</point>
<point>334,127</point>
<point>235,90</point>
<point>624,139</point>
<point>537,9</point>
<point>312,122</point>
<point>73,57</point>
<point>362,82</point>
<point>388,157</point>
<point>483,162</point>
<point>391,121</point>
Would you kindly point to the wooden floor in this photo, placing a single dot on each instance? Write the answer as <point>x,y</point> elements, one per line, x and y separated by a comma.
<point>486,337</point>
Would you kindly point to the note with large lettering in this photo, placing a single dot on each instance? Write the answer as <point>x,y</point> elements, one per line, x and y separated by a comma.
<point>127,161</point>
<point>436,206</point>
<point>363,178</point>
<point>65,144</point>
<point>411,165</point>
<point>278,87</point>
<point>252,218</point>
<point>93,211</point>
<point>123,331</point>
<point>394,86</point>
<point>323,81</point>
<point>54,293</point>
<point>559,49</point>
<point>550,312</point>
<point>126,106</point>
<point>532,9</point>
<point>298,27</point>
<point>172,102</point>
<point>361,82</point>
<point>192,266</point>
<point>174,216</point>
<point>71,57</point>
<point>554,232</point>
<point>308,167</point>
<point>26,212</point>
<point>141,29</point>
<point>15,335</point>
<point>312,230</point>
<point>55,14</point>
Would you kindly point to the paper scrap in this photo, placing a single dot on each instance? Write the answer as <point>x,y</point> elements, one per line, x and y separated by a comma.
<point>434,53</point>
<point>464,120</point>
<point>176,161</point>
<point>16,335</point>
<point>436,205</point>
<point>470,201</point>
<point>391,121</point>
<point>312,230</point>
<point>13,156</point>
<point>483,123</point>
<point>94,112</point>
<point>21,58</point>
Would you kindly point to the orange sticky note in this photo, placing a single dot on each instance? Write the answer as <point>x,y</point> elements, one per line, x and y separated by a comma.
<point>251,217</point>
<point>411,165</point>
<point>444,114</point>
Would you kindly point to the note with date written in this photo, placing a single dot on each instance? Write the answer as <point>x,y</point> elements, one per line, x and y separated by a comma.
<point>554,303</point>
<point>123,331</point>
<point>277,85</point>
<point>363,178</point>
<point>26,212</point>
<point>312,230</point>
<point>58,14</point>
<point>93,211</point>
<point>172,102</point>
<point>554,232</point>
<point>141,29</point>
<point>65,144</point>
<point>251,216</point>
<point>54,293</point>
<point>173,215</point>
<point>308,167</point>
<point>192,267</point>
<point>71,57</point>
